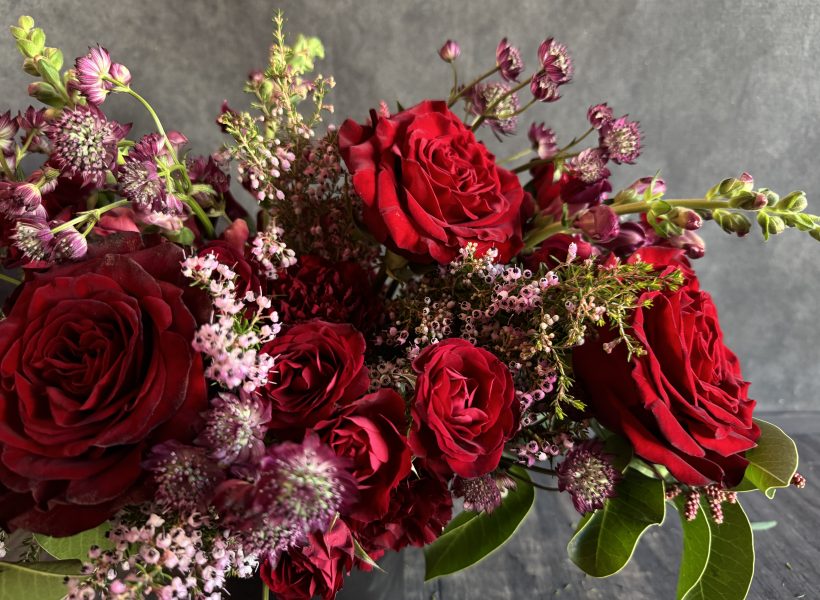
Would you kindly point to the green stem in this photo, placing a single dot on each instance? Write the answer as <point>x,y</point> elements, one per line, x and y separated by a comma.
<point>89,215</point>
<point>537,236</point>
<point>265,591</point>
<point>201,215</point>
<point>10,280</point>
<point>454,98</point>
<point>127,89</point>
<point>562,153</point>
<point>642,206</point>
<point>489,112</point>
<point>455,79</point>
<point>546,488</point>
<point>515,156</point>
<point>5,166</point>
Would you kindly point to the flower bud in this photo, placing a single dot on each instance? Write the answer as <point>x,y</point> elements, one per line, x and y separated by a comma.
<point>689,242</point>
<point>69,244</point>
<point>793,202</point>
<point>731,222</point>
<point>686,218</point>
<point>44,92</point>
<point>450,51</point>
<point>644,183</point>
<point>770,224</point>
<point>543,140</point>
<point>599,115</point>
<point>543,88</point>
<point>599,223</point>
<point>120,73</point>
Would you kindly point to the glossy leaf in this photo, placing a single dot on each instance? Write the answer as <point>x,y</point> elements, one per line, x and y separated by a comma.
<point>40,581</point>
<point>75,546</point>
<point>697,542</point>
<point>772,463</point>
<point>605,540</point>
<point>471,536</point>
<point>731,558</point>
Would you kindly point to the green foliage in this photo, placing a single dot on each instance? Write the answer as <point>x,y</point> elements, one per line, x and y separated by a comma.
<point>772,463</point>
<point>41,61</point>
<point>75,546</point>
<point>605,540</point>
<point>718,560</point>
<point>40,581</point>
<point>471,536</point>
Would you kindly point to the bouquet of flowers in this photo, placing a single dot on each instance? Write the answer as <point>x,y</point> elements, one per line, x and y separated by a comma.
<point>398,345</point>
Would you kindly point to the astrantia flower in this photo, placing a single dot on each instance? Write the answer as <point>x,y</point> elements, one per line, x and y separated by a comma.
<point>589,166</point>
<point>450,51</point>
<point>18,198</point>
<point>588,475</point>
<point>482,494</point>
<point>235,428</point>
<point>84,144</point>
<point>599,115</point>
<point>69,244</point>
<point>621,139</point>
<point>555,61</point>
<point>543,88</point>
<point>32,122</point>
<point>508,60</point>
<point>8,129</point>
<point>186,477</point>
<point>91,69</point>
<point>33,238</point>
<point>494,100</point>
<point>543,140</point>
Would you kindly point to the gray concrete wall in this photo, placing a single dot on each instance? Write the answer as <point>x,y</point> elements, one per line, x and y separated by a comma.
<point>719,86</point>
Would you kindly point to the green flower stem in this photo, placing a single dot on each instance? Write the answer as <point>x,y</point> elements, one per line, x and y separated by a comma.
<point>562,153</point>
<point>520,479</point>
<point>10,280</point>
<point>489,112</point>
<point>516,156</point>
<point>455,78</point>
<point>89,215</point>
<point>200,214</point>
<point>537,236</point>
<point>454,98</point>
<point>265,591</point>
<point>695,203</point>
<point>5,167</point>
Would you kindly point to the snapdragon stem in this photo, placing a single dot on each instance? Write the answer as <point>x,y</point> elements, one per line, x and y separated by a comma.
<point>454,98</point>
<point>10,280</point>
<point>696,203</point>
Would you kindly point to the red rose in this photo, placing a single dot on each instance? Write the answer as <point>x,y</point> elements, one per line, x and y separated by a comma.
<point>555,249</point>
<point>684,404</point>
<point>317,569</point>
<point>464,409</point>
<point>96,365</point>
<point>319,366</point>
<point>429,186</point>
<point>420,508</point>
<point>371,433</point>
<point>316,288</point>
<point>230,251</point>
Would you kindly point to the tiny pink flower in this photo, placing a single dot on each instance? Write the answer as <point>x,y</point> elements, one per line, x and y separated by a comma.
<point>599,115</point>
<point>450,51</point>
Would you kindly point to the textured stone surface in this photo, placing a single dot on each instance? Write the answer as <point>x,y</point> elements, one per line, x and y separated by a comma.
<point>718,86</point>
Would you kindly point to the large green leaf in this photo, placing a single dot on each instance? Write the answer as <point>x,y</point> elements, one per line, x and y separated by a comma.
<point>697,542</point>
<point>730,563</point>
<point>772,463</point>
<point>605,540</point>
<point>75,546</point>
<point>40,581</point>
<point>471,536</point>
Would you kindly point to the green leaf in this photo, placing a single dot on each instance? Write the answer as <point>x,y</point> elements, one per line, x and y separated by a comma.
<point>763,525</point>
<point>620,450</point>
<point>75,546</point>
<point>697,543</point>
<point>605,540</point>
<point>43,581</point>
<point>772,463</point>
<point>471,536</point>
<point>50,74</point>
<point>731,558</point>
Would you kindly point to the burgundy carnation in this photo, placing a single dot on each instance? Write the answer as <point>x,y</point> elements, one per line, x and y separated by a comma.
<point>337,292</point>
<point>371,433</point>
<point>429,187</point>
<point>96,366</point>
<point>319,366</point>
<point>684,403</point>
<point>464,409</point>
<point>317,569</point>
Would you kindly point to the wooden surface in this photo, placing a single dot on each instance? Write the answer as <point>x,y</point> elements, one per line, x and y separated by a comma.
<point>534,565</point>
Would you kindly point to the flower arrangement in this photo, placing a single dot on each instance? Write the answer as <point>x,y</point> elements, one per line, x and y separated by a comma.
<point>397,346</point>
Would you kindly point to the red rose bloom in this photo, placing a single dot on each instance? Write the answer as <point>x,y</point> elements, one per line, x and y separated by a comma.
<point>684,404</point>
<point>96,366</point>
<point>464,409</point>
<point>371,433</point>
<point>319,366</point>
<point>336,292</point>
<point>429,187</point>
<point>555,249</point>
<point>317,569</point>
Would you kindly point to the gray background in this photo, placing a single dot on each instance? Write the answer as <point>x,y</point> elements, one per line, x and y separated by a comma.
<point>718,86</point>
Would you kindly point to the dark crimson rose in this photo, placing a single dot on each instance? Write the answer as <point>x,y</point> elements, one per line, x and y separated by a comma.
<point>420,507</point>
<point>340,292</point>
<point>316,569</point>
<point>555,249</point>
<point>96,365</point>
<point>229,250</point>
<point>551,195</point>
<point>429,187</point>
<point>371,433</point>
<point>319,366</point>
<point>464,409</point>
<point>684,404</point>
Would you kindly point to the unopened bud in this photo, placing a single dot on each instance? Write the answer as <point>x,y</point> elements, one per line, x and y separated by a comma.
<point>599,223</point>
<point>793,202</point>
<point>644,183</point>
<point>731,222</point>
<point>30,67</point>
<point>69,244</point>
<point>450,51</point>
<point>45,93</point>
<point>691,243</point>
<point>748,200</point>
<point>770,224</point>
<point>686,218</point>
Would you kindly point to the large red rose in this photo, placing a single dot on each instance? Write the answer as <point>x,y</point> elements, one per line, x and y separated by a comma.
<point>371,433</point>
<point>684,404</point>
<point>317,569</point>
<point>319,366</point>
<point>96,365</point>
<point>429,187</point>
<point>464,409</point>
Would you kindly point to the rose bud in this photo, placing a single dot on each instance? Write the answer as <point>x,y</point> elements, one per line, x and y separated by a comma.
<point>450,51</point>
<point>599,223</point>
